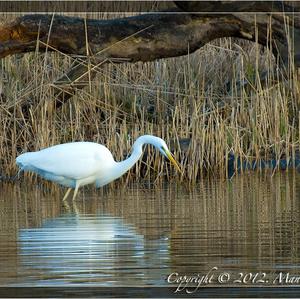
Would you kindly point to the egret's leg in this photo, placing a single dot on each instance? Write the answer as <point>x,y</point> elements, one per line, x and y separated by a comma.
<point>76,190</point>
<point>67,193</point>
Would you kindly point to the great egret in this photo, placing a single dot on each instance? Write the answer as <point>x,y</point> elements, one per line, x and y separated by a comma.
<point>81,163</point>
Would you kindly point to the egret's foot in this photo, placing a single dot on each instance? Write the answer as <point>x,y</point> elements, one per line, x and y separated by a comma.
<point>75,208</point>
<point>66,206</point>
<point>70,209</point>
<point>67,193</point>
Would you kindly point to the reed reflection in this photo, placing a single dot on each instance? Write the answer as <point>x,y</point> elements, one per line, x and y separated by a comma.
<point>140,235</point>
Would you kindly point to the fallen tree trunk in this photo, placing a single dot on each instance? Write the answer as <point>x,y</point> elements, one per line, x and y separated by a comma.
<point>140,38</point>
<point>239,6</point>
<point>146,37</point>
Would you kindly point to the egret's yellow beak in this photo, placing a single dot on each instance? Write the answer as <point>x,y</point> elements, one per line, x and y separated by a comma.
<point>170,157</point>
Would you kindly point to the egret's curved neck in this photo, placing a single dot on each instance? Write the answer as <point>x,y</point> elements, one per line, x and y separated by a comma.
<point>137,151</point>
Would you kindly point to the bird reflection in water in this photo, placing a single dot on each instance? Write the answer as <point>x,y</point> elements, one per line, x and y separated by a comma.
<point>91,249</point>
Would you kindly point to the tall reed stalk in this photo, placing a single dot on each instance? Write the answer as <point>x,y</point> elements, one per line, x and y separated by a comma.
<point>198,96</point>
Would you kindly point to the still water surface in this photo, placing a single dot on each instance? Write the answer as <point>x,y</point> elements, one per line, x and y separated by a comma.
<point>140,234</point>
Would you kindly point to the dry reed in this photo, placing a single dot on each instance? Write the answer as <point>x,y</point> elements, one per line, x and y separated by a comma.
<point>183,97</point>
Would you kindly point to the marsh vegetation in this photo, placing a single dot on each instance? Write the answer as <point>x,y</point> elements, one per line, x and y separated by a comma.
<point>206,105</point>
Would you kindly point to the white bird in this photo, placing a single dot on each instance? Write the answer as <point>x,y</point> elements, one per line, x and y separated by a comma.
<point>77,164</point>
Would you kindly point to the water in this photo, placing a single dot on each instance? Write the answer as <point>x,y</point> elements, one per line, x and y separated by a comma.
<point>138,236</point>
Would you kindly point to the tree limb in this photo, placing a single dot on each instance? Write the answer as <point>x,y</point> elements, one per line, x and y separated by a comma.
<point>140,38</point>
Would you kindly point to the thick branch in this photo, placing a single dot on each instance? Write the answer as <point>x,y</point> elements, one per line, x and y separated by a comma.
<point>139,38</point>
<point>239,6</point>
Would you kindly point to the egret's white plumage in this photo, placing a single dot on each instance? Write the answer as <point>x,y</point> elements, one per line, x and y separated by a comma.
<point>81,163</point>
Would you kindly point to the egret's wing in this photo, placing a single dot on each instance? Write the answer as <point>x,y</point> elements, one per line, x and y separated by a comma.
<point>71,160</point>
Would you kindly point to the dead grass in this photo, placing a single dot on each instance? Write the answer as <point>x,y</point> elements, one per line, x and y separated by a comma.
<point>199,96</point>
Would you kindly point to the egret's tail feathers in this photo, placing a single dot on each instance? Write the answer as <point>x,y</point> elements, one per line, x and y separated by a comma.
<point>31,162</point>
<point>26,163</point>
<point>23,160</point>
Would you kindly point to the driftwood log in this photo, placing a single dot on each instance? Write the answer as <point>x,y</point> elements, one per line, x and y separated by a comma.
<point>153,36</point>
